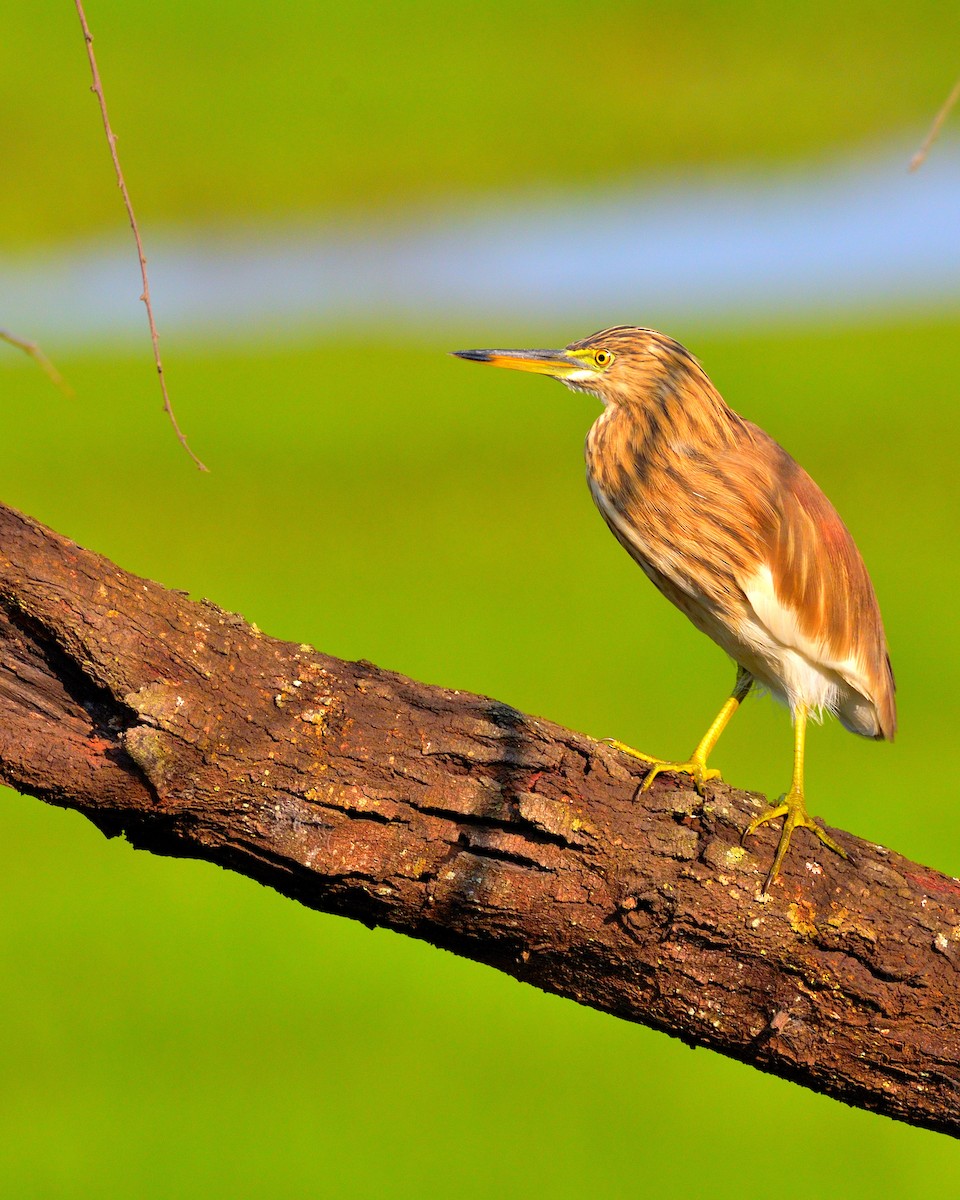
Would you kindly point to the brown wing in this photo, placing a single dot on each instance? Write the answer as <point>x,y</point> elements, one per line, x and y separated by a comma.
<point>824,603</point>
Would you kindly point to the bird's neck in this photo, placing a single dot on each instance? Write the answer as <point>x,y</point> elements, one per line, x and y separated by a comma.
<point>679,414</point>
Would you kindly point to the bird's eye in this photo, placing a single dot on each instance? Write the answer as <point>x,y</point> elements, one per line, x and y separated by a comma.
<point>602,358</point>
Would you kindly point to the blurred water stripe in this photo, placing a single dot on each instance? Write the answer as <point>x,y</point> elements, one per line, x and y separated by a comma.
<point>844,238</point>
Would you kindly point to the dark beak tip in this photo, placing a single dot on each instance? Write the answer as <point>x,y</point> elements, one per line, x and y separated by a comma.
<point>472,355</point>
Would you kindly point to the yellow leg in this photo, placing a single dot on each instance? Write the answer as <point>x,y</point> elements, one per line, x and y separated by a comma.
<point>697,764</point>
<point>792,806</point>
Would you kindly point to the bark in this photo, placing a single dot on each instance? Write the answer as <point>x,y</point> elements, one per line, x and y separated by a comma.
<point>456,819</point>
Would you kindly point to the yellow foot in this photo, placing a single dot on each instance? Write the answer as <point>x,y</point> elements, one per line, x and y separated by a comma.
<point>794,811</point>
<point>696,767</point>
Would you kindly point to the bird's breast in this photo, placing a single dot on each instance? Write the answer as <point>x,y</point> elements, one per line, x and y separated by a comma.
<point>674,511</point>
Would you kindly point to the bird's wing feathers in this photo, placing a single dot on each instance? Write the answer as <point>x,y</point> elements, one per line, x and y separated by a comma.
<point>811,590</point>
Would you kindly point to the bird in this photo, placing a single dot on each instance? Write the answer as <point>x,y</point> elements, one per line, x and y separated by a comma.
<point>735,533</point>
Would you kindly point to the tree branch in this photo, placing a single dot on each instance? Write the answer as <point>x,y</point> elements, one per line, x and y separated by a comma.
<point>456,819</point>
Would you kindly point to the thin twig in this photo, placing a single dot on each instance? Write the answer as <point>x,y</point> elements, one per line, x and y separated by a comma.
<point>39,358</point>
<point>935,128</point>
<point>97,89</point>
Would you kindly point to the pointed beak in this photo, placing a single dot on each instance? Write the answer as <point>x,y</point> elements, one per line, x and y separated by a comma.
<point>559,364</point>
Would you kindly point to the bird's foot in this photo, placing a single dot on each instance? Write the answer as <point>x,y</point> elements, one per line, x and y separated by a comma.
<point>696,767</point>
<point>794,812</point>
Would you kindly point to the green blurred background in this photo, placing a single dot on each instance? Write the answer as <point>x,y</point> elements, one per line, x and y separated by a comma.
<point>169,1029</point>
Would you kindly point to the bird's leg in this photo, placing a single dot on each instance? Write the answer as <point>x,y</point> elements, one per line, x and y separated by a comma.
<point>792,807</point>
<point>697,764</point>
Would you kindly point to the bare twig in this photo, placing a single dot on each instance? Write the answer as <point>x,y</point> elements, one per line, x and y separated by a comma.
<point>935,128</point>
<point>97,89</point>
<point>39,358</point>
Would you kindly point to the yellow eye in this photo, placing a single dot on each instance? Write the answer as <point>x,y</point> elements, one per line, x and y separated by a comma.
<point>603,358</point>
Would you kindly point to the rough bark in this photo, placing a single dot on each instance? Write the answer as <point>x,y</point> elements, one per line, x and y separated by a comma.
<point>456,819</point>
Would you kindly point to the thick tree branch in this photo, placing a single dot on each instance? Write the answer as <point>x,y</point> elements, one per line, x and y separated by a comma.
<point>458,820</point>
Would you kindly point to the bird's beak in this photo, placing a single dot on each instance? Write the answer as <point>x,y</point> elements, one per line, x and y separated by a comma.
<point>560,364</point>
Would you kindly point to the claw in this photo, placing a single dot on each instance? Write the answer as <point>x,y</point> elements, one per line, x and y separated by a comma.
<point>794,811</point>
<point>696,767</point>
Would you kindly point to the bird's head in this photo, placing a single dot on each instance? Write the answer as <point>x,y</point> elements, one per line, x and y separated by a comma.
<point>619,365</point>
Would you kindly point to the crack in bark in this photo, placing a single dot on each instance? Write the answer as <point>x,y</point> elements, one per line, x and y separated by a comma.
<point>513,857</point>
<point>106,714</point>
<point>531,833</point>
